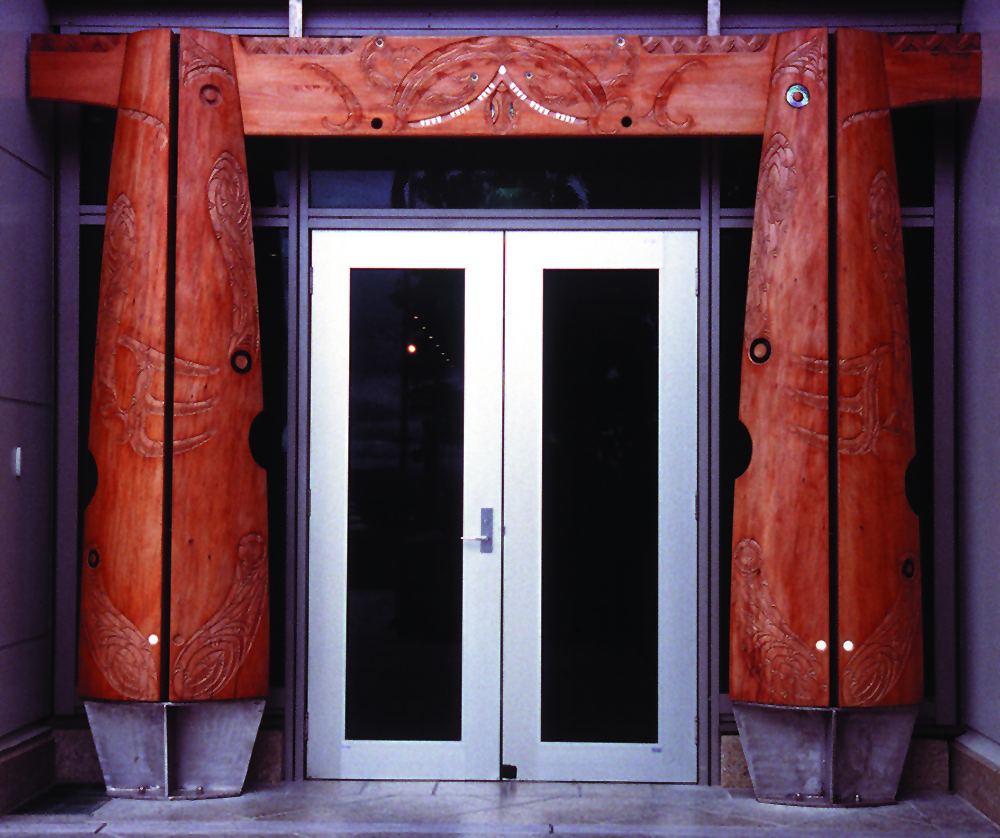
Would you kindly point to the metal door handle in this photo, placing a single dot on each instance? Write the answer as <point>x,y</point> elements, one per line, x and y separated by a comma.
<point>486,528</point>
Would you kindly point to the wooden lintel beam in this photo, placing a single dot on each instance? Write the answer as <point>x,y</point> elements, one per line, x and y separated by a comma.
<point>564,85</point>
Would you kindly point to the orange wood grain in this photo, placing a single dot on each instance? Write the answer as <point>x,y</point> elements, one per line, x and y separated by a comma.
<point>878,534</point>
<point>780,572</point>
<point>121,584</point>
<point>218,589</point>
<point>77,68</point>
<point>932,68</point>
<point>501,85</point>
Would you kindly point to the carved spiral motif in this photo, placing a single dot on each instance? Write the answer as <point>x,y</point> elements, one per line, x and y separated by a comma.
<point>876,664</point>
<point>229,210</point>
<point>776,192</point>
<point>212,655</point>
<point>120,650</point>
<point>776,657</point>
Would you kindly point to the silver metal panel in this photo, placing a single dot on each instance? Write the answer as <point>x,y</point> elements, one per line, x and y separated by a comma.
<point>26,264</point>
<point>163,750</point>
<point>210,746</point>
<point>829,756</point>
<point>25,126</point>
<point>130,739</point>
<point>26,524</point>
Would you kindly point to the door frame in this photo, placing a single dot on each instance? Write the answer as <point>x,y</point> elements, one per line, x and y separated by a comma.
<point>682,761</point>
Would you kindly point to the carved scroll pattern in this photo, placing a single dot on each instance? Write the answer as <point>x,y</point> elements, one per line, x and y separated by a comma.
<point>661,112</point>
<point>210,658</point>
<point>229,209</point>
<point>122,653</point>
<point>151,121</point>
<point>298,46</point>
<point>197,62</point>
<point>808,59</point>
<point>860,116</point>
<point>776,191</point>
<point>495,71</point>
<point>777,658</point>
<point>876,664</point>
<point>340,91</point>
<point>703,44</point>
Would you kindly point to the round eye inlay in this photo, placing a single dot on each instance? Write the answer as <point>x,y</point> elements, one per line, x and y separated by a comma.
<point>241,361</point>
<point>211,95</point>
<point>797,95</point>
<point>760,350</point>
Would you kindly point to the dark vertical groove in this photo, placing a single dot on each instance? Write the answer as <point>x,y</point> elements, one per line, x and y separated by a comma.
<point>833,354</point>
<point>168,381</point>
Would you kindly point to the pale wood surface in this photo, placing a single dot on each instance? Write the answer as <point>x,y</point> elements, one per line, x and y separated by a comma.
<point>218,590</point>
<point>502,84</point>
<point>696,85</point>
<point>878,534</point>
<point>780,572</point>
<point>123,525</point>
<point>77,68</point>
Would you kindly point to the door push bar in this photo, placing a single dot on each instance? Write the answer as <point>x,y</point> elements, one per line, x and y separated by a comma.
<point>486,528</point>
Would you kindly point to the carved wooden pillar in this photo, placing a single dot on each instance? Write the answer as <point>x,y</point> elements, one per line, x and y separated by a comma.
<point>175,553</point>
<point>828,626</point>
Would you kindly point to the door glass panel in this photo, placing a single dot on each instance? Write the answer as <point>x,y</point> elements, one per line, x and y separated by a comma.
<point>599,506</point>
<point>405,456</point>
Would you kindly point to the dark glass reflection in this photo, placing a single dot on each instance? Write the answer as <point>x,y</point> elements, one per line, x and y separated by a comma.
<point>913,138</point>
<point>404,554</point>
<point>97,141</point>
<point>739,162</point>
<point>499,174</point>
<point>267,171</point>
<point>599,506</point>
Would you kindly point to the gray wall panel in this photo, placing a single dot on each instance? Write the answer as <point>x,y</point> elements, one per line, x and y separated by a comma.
<point>26,268</point>
<point>979,387</point>
<point>25,126</point>
<point>24,684</point>
<point>26,523</point>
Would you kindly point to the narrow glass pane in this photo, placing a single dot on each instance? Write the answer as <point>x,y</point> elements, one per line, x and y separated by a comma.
<point>505,174</point>
<point>599,506</point>
<point>739,162</point>
<point>404,556</point>
<point>267,170</point>
<point>97,141</point>
<point>913,138</point>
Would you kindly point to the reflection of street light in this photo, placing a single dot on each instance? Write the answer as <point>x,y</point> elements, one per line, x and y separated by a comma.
<point>411,349</point>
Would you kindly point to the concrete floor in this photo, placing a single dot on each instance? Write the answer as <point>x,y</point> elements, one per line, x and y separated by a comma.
<point>424,809</point>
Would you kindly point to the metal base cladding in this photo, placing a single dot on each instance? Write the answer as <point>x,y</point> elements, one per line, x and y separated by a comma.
<point>177,751</point>
<point>825,756</point>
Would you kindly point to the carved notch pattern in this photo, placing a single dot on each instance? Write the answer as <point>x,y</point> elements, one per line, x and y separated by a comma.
<point>948,43</point>
<point>876,665</point>
<point>229,209</point>
<point>120,650</point>
<point>76,43</point>
<point>150,120</point>
<point>210,658</point>
<point>703,44</point>
<point>777,658</point>
<point>808,59</point>
<point>298,46</point>
<point>776,191</point>
<point>340,91</point>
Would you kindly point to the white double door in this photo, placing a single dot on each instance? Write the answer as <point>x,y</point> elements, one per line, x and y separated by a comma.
<point>546,379</point>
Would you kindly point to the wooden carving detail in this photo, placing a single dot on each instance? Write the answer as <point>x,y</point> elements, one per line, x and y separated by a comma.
<point>210,658</point>
<point>808,60</point>
<point>298,46</point>
<point>776,191</point>
<point>874,113</point>
<point>774,654</point>
<point>875,666</point>
<point>703,44</point>
<point>952,43</point>
<point>150,120</point>
<point>122,653</point>
<point>660,112</point>
<point>229,209</point>
<point>340,91</point>
<point>384,67</point>
<point>448,82</point>
<point>197,62</point>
